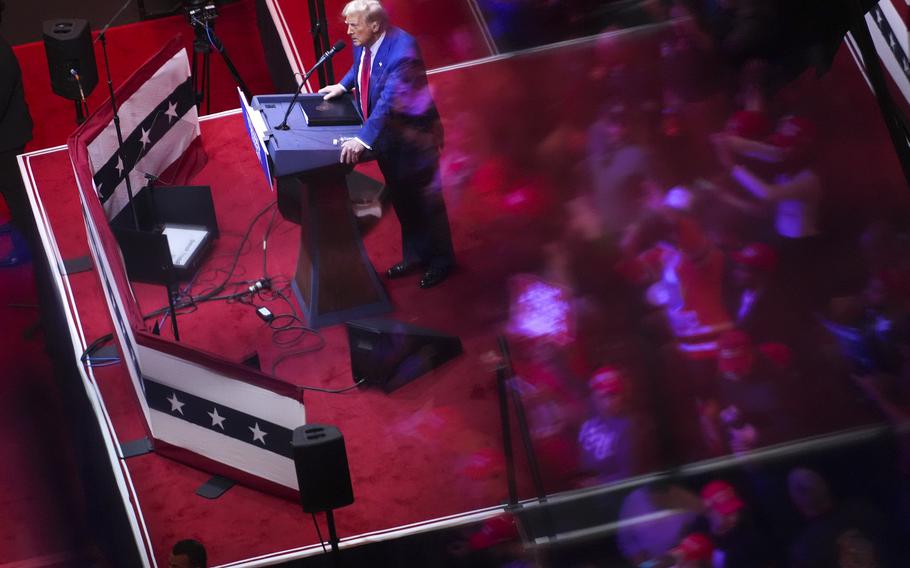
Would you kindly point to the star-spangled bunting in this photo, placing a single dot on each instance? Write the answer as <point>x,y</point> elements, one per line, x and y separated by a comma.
<point>218,418</point>
<point>258,435</point>
<point>176,405</point>
<point>171,112</point>
<point>891,39</point>
<point>139,142</point>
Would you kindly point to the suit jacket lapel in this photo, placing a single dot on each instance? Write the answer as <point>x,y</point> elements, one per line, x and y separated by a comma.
<point>378,67</point>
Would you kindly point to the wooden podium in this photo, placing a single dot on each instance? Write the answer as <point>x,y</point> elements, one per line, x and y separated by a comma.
<point>334,281</point>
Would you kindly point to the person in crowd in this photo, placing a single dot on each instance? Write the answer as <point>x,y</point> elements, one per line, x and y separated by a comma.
<point>738,542</point>
<point>616,442</point>
<point>495,543</point>
<point>619,167</point>
<point>684,273</point>
<point>641,540</point>
<point>795,191</point>
<point>403,128</point>
<point>834,533</point>
<point>757,298</point>
<point>753,400</point>
<point>694,551</point>
<point>188,554</point>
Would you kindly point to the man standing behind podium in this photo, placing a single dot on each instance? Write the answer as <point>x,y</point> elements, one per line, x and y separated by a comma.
<point>403,129</point>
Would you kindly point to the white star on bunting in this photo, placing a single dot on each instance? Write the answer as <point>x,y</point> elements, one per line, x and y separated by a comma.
<point>216,419</point>
<point>119,166</point>
<point>145,137</point>
<point>258,435</point>
<point>171,111</point>
<point>176,405</point>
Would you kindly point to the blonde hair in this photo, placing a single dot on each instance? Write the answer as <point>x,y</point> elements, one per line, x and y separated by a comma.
<point>371,10</point>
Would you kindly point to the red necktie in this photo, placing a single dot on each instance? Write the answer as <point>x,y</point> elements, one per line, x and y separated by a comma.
<point>365,81</point>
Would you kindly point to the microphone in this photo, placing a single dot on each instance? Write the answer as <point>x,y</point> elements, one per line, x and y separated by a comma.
<point>75,75</point>
<point>339,45</point>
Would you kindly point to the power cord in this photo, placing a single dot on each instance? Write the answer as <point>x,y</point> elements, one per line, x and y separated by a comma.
<point>319,533</point>
<point>287,328</point>
<point>88,358</point>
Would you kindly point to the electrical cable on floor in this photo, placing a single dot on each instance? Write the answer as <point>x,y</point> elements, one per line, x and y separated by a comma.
<point>319,533</point>
<point>288,329</point>
<point>214,292</point>
<point>90,360</point>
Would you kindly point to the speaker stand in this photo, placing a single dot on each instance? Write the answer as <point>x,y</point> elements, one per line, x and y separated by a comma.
<point>333,538</point>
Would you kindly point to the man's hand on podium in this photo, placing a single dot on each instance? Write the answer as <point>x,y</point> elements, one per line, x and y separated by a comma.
<point>332,91</point>
<point>351,151</point>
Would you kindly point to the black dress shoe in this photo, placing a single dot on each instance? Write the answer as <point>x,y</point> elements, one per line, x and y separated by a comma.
<point>401,269</point>
<point>433,276</point>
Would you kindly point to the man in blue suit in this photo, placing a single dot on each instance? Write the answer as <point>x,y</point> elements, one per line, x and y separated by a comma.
<point>403,129</point>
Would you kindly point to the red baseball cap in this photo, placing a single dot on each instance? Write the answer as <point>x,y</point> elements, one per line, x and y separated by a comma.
<point>607,381</point>
<point>756,255</point>
<point>792,132</point>
<point>777,353</point>
<point>495,530</point>
<point>751,124</point>
<point>695,547</point>
<point>720,497</point>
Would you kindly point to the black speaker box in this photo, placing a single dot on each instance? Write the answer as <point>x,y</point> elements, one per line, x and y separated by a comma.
<point>68,44</point>
<point>390,353</point>
<point>146,251</point>
<point>321,463</point>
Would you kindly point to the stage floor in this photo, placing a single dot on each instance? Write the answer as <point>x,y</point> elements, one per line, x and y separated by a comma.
<point>413,453</point>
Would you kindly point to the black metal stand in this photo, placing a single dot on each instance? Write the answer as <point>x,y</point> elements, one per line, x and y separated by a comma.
<point>509,390</point>
<point>333,538</point>
<point>172,291</point>
<point>102,37</point>
<point>320,31</point>
<point>205,40</point>
<point>502,377</point>
<point>80,112</point>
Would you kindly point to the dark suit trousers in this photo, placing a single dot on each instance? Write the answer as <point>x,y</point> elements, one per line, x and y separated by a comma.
<point>14,193</point>
<point>415,187</point>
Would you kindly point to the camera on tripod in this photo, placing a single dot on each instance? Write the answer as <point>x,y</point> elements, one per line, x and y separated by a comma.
<point>199,12</point>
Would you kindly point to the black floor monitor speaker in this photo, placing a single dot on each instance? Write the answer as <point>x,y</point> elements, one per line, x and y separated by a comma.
<point>390,353</point>
<point>68,44</point>
<point>322,468</point>
<point>185,214</point>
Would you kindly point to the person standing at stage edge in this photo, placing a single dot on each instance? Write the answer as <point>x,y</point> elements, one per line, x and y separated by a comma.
<point>15,132</point>
<point>403,128</point>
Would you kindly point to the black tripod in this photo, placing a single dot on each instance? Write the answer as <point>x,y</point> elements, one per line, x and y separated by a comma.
<point>205,40</point>
<point>320,31</point>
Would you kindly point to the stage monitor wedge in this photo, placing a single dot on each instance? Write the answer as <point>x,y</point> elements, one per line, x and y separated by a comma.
<point>390,354</point>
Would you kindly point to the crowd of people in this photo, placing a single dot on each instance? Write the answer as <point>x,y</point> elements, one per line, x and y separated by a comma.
<point>711,310</point>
